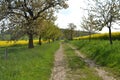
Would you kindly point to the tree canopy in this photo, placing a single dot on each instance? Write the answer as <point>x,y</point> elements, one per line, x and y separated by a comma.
<point>25,13</point>
<point>105,12</point>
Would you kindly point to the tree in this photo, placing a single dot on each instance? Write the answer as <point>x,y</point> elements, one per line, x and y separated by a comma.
<point>71,28</point>
<point>41,29</point>
<point>43,22</point>
<point>30,10</point>
<point>89,24</point>
<point>52,31</point>
<point>106,12</point>
<point>55,33</point>
<point>3,9</point>
<point>3,15</point>
<point>66,33</point>
<point>2,30</point>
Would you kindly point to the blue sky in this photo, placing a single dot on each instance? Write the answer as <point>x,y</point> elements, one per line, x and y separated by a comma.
<point>73,14</point>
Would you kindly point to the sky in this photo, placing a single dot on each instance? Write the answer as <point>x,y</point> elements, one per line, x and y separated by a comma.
<point>74,14</point>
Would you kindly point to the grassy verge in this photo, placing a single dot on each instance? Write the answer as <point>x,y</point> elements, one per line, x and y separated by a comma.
<point>77,69</point>
<point>27,64</point>
<point>102,52</point>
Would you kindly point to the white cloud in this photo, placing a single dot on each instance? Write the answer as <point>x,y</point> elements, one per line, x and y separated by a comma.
<point>71,15</point>
<point>74,15</point>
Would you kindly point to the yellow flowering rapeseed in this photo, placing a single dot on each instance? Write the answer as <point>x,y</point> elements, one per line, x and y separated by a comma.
<point>20,42</point>
<point>10,43</point>
<point>115,35</point>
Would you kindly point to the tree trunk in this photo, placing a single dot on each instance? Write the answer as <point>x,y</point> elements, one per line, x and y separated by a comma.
<point>110,36</point>
<point>48,40</point>
<point>89,36</point>
<point>30,44</point>
<point>40,43</point>
<point>72,35</point>
<point>53,39</point>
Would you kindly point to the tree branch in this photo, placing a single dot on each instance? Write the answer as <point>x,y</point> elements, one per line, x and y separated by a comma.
<point>45,8</point>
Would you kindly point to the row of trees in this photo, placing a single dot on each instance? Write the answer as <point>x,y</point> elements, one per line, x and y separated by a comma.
<point>31,17</point>
<point>102,13</point>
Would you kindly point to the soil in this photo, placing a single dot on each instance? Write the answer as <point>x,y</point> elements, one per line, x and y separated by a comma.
<point>59,71</point>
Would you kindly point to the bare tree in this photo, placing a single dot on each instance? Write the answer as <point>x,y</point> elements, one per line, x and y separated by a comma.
<point>106,12</point>
<point>89,24</point>
<point>71,29</point>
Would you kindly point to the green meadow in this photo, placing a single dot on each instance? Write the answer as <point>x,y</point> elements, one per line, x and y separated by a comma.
<point>22,63</point>
<point>102,53</point>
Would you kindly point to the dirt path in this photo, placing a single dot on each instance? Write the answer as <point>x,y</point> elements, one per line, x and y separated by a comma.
<point>102,73</point>
<point>59,72</point>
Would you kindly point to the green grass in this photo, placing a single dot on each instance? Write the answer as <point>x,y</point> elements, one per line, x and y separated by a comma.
<point>27,64</point>
<point>78,68</point>
<point>102,52</point>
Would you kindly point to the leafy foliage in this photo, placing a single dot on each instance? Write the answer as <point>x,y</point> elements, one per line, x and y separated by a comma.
<point>25,13</point>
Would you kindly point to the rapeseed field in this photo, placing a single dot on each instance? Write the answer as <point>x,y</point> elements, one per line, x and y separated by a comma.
<point>19,42</point>
<point>115,36</point>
